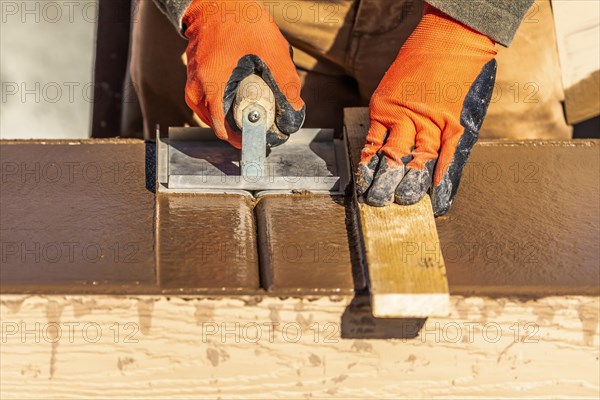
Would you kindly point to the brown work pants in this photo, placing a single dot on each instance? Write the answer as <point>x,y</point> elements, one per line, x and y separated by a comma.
<point>342,49</point>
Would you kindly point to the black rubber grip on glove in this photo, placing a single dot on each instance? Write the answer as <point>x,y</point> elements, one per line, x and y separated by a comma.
<point>473,113</point>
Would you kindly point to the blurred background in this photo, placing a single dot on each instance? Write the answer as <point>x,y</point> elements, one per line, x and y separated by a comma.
<point>47,54</point>
<point>64,73</point>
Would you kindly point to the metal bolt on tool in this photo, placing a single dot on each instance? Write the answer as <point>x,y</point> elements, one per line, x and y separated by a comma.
<point>253,116</point>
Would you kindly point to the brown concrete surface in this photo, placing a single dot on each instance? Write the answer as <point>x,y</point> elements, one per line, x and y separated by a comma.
<point>76,214</point>
<point>306,244</point>
<point>525,222</point>
<point>206,242</point>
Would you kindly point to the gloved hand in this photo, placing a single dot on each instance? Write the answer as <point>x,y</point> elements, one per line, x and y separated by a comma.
<point>225,46</point>
<point>426,114</point>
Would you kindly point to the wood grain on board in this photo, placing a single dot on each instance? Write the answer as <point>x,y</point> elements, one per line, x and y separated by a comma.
<point>406,272</point>
<point>577,25</point>
<point>157,347</point>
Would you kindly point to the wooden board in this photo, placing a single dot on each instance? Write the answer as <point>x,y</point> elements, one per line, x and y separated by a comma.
<point>407,276</point>
<point>577,26</point>
<point>157,347</point>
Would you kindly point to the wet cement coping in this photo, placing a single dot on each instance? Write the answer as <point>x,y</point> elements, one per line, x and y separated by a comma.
<point>82,217</point>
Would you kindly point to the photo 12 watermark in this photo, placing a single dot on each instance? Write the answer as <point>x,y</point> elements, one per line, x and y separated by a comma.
<point>68,332</point>
<point>330,332</point>
<point>69,252</point>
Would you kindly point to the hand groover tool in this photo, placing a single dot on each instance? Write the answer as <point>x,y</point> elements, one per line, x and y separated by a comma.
<point>195,160</point>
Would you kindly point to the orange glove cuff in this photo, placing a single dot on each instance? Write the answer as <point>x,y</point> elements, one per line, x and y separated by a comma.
<point>438,32</point>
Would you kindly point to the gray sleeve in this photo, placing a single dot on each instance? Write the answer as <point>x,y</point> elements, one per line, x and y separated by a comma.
<point>174,9</point>
<point>498,19</point>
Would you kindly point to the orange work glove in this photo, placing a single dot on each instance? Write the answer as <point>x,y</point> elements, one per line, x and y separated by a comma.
<point>426,114</point>
<point>228,42</point>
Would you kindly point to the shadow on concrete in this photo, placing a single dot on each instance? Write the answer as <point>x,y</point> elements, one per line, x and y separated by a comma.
<point>151,166</point>
<point>358,321</point>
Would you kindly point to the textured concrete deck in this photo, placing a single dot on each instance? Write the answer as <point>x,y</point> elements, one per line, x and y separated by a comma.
<point>79,217</point>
